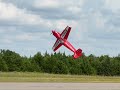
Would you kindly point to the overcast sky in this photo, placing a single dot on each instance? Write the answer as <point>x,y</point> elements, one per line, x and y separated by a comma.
<point>25,25</point>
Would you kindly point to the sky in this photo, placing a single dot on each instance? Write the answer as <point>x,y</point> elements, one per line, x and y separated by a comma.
<point>25,25</point>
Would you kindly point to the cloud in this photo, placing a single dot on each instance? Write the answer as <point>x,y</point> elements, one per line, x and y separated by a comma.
<point>114,5</point>
<point>55,9</point>
<point>11,14</point>
<point>28,24</point>
<point>46,3</point>
<point>51,9</point>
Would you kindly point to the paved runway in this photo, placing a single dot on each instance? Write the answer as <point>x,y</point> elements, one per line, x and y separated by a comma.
<point>59,86</point>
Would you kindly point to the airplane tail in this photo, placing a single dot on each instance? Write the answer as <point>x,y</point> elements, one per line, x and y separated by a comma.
<point>77,53</point>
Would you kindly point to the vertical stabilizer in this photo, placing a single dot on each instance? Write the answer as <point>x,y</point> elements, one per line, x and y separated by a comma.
<point>77,53</point>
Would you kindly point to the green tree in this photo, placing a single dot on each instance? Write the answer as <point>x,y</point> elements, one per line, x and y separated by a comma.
<point>12,59</point>
<point>26,65</point>
<point>105,68</point>
<point>38,61</point>
<point>3,65</point>
<point>60,68</point>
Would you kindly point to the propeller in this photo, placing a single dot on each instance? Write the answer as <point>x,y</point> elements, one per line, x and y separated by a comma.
<point>50,33</point>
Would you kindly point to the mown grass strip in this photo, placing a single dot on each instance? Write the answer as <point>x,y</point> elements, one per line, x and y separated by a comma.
<point>45,77</point>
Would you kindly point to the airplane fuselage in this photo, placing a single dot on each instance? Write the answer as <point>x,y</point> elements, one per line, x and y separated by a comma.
<point>64,41</point>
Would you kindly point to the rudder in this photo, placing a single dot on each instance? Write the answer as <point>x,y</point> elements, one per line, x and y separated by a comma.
<point>77,53</point>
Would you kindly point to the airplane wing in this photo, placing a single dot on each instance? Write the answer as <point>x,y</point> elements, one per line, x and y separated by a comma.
<point>66,32</point>
<point>56,45</point>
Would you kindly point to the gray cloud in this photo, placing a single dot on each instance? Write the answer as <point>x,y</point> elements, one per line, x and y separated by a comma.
<point>59,12</point>
<point>95,26</point>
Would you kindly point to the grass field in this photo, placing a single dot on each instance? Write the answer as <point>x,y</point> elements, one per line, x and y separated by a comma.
<point>44,77</point>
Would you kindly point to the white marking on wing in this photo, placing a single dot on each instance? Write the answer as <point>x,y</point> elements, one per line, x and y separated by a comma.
<point>56,44</point>
<point>65,32</point>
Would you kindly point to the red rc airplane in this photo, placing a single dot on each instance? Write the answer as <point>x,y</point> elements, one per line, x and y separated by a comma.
<point>62,40</point>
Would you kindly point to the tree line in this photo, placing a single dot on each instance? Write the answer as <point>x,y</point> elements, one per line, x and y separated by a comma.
<point>59,63</point>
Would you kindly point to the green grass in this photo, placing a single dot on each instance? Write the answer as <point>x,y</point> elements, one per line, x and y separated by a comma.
<point>44,77</point>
